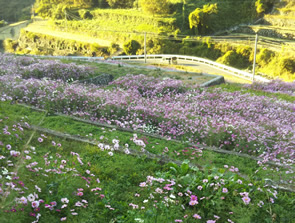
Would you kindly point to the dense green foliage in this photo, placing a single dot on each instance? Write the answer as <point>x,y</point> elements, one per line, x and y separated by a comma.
<point>155,6</point>
<point>15,10</point>
<point>2,23</point>
<point>121,3</point>
<point>200,18</point>
<point>131,47</point>
<point>264,6</point>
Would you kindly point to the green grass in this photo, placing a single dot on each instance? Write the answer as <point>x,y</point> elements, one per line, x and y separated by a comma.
<point>120,174</point>
<point>154,145</point>
<point>138,68</point>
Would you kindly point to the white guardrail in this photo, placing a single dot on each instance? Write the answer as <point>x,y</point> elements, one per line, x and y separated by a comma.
<point>228,69</point>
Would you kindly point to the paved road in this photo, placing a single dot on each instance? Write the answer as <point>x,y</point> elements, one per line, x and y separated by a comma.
<point>197,67</point>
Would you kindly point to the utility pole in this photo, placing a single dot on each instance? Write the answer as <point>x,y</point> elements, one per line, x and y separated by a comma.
<point>254,61</point>
<point>145,47</point>
<point>66,20</point>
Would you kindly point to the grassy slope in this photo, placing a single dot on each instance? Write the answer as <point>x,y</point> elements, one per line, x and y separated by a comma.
<point>15,10</point>
<point>121,174</point>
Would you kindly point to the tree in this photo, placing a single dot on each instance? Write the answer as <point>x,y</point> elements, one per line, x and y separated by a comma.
<point>155,6</point>
<point>121,3</point>
<point>200,18</point>
<point>264,6</point>
<point>131,47</point>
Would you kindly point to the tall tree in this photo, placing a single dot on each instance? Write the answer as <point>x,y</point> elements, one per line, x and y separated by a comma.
<point>121,3</point>
<point>200,18</point>
<point>155,6</point>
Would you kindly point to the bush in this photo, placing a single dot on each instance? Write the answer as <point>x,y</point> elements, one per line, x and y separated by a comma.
<point>10,45</point>
<point>287,64</point>
<point>114,48</point>
<point>264,57</point>
<point>131,47</point>
<point>155,6</point>
<point>121,3</point>
<point>2,23</point>
<point>232,58</point>
<point>85,14</point>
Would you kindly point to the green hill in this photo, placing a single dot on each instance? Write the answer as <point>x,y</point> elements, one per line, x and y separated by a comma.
<point>15,10</point>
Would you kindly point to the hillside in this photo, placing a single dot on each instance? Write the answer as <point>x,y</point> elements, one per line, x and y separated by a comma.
<point>89,28</point>
<point>15,10</point>
<point>141,146</point>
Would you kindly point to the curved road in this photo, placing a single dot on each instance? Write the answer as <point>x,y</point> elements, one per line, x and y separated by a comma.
<point>197,67</point>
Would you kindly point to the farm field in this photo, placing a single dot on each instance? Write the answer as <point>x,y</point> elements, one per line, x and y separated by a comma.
<point>141,147</point>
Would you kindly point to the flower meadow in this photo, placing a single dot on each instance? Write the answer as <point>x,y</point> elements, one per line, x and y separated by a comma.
<point>275,86</point>
<point>34,181</point>
<point>45,179</point>
<point>244,123</point>
<point>28,67</point>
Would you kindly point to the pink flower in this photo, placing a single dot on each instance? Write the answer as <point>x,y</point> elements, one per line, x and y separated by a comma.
<point>244,194</point>
<point>224,190</point>
<point>40,139</point>
<point>178,220</point>
<point>246,200</point>
<point>192,203</point>
<point>80,194</point>
<point>194,198</point>
<point>63,219</point>
<point>211,221</point>
<point>197,216</point>
<point>23,200</point>
<point>35,204</point>
<point>143,184</point>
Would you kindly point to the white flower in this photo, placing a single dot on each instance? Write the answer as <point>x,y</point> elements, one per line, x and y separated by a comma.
<point>65,200</point>
<point>172,196</point>
<point>110,153</point>
<point>31,198</point>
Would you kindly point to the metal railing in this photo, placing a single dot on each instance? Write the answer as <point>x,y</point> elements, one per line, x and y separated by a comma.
<point>225,68</point>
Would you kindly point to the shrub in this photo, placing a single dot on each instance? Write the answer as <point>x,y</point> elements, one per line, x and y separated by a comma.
<point>10,45</point>
<point>114,48</point>
<point>232,58</point>
<point>155,6</point>
<point>85,14</point>
<point>2,23</point>
<point>264,57</point>
<point>131,47</point>
<point>287,64</point>
<point>121,3</point>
